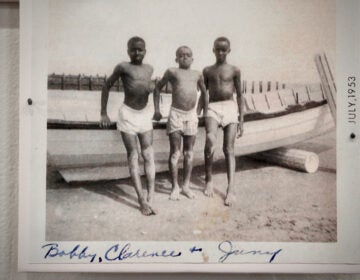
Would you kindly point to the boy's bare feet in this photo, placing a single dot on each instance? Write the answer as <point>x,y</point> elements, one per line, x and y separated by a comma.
<point>187,192</point>
<point>175,193</point>
<point>209,190</point>
<point>146,209</point>
<point>230,200</point>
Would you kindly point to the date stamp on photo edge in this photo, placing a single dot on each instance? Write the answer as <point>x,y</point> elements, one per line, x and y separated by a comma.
<point>352,102</point>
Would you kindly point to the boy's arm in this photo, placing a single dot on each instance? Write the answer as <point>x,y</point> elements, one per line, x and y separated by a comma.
<point>105,121</point>
<point>240,101</point>
<point>158,86</point>
<point>205,94</point>
<point>204,98</point>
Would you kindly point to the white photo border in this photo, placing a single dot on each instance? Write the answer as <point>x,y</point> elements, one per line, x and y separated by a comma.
<point>341,256</point>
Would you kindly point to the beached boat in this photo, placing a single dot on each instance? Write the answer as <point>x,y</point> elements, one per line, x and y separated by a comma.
<point>81,151</point>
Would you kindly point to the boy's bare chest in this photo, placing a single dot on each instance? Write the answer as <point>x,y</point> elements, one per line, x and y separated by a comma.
<point>137,74</point>
<point>220,75</point>
<point>185,77</point>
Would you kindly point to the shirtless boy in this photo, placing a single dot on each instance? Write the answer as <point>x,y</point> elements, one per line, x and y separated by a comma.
<point>220,80</point>
<point>135,117</point>
<point>183,121</point>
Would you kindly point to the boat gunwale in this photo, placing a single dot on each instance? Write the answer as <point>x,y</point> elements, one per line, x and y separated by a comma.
<point>248,117</point>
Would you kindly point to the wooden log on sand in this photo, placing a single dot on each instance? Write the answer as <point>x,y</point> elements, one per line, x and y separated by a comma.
<point>291,158</point>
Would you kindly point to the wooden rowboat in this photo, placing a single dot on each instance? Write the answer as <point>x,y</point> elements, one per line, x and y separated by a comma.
<point>81,151</point>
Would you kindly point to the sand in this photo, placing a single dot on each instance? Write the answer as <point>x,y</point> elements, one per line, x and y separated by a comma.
<point>273,204</point>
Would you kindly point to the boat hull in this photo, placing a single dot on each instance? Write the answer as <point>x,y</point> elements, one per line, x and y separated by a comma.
<point>93,154</point>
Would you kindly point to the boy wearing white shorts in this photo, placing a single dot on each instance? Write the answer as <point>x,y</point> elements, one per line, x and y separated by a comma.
<point>220,80</point>
<point>183,120</point>
<point>134,120</point>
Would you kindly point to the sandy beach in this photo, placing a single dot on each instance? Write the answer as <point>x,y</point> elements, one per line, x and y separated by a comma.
<point>273,204</point>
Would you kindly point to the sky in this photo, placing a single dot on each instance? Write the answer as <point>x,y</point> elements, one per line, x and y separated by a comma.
<point>273,40</point>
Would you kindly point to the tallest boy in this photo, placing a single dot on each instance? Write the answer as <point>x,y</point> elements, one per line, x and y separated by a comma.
<point>135,117</point>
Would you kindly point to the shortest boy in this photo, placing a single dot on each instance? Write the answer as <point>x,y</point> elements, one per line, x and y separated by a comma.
<point>183,121</point>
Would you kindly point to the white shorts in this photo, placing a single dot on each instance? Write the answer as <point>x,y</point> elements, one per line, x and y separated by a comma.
<point>224,112</point>
<point>133,121</point>
<point>184,121</point>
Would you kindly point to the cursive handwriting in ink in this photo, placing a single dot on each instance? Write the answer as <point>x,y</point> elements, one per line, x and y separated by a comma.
<point>116,252</point>
<point>195,249</point>
<point>226,247</point>
<point>76,252</point>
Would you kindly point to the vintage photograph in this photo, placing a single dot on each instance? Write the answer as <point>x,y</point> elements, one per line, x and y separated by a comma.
<point>191,121</point>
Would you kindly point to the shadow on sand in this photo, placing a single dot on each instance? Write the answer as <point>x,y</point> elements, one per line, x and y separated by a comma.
<point>119,190</point>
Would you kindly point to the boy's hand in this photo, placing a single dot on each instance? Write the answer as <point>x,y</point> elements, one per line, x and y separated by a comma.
<point>105,121</point>
<point>157,116</point>
<point>240,129</point>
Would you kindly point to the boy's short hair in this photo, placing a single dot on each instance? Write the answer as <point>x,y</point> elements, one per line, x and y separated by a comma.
<point>181,47</point>
<point>135,39</point>
<point>222,39</point>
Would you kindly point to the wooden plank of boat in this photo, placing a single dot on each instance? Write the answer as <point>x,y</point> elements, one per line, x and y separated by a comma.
<point>274,101</point>
<point>261,104</point>
<point>115,172</point>
<point>327,82</point>
<point>301,95</point>
<point>249,103</point>
<point>287,97</point>
<point>316,96</point>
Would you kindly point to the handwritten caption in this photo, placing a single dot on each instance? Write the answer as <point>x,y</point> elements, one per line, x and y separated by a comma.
<point>226,251</point>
